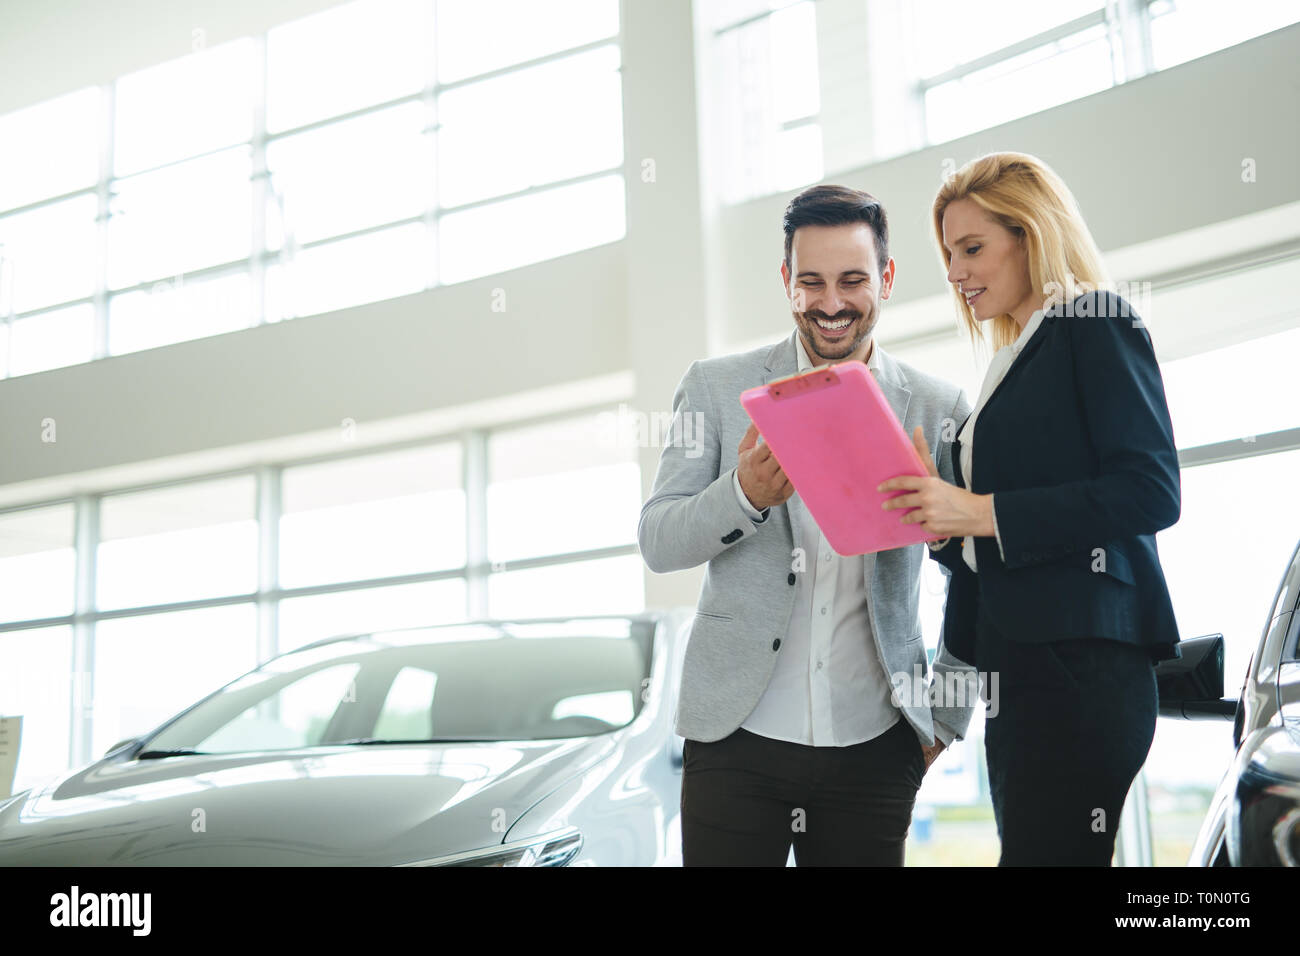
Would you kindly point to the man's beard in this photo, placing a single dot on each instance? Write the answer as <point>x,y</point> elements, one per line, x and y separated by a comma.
<point>841,348</point>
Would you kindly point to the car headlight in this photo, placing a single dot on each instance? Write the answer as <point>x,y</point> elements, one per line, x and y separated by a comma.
<point>556,848</point>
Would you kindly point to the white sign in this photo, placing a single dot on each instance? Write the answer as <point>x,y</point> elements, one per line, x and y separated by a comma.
<point>11,734</point>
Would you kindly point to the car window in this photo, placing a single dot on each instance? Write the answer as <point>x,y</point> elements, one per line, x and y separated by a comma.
<point>407,713</point>
<point>478,683</point>
<point>1288,590</point>
<point>296,715</point>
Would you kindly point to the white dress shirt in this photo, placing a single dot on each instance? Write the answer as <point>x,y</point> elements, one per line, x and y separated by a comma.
<point>1002,361</point>
<point>828,687</point>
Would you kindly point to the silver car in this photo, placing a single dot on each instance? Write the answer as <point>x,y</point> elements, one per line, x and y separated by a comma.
<point>497,743</point>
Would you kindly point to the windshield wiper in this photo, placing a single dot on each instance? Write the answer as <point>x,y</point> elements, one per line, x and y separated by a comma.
<point>355,742</point>
<point>158,754</point>
<point>367,741</point>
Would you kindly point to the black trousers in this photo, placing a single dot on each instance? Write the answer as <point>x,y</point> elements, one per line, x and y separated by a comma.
<point>1074,720</point>
<point>746,797</point>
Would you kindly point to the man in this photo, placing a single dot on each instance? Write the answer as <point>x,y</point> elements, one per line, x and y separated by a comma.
<point>791,730</point>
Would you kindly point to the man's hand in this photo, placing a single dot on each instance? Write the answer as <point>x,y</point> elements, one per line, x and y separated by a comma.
<point>761,477</point>
<point>941,508</point>
<point>932,752</point>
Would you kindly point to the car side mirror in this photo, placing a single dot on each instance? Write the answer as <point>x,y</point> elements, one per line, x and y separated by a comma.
<point>1191,686</point>
<point>122,743</point>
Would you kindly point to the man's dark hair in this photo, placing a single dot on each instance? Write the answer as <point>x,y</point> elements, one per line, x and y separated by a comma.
<point>828,205</point>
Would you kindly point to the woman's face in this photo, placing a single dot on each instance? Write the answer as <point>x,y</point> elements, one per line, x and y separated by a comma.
<point>989,264</point>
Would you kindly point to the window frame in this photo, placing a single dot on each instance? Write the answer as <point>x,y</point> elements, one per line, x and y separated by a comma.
<point>260,258</point>
<point>477,570</point>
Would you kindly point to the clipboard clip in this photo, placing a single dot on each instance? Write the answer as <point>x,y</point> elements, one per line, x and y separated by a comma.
<point>797,385</point>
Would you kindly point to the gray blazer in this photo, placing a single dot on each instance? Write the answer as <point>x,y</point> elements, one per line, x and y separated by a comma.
<point>692,517</point>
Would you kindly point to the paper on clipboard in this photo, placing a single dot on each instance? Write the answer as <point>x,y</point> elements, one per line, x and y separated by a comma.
<point>836,438</point>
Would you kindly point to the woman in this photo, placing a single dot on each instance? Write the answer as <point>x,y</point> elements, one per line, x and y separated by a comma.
<point>1066,469</point>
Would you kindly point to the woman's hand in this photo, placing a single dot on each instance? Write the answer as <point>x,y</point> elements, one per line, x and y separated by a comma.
<point>940,508</point>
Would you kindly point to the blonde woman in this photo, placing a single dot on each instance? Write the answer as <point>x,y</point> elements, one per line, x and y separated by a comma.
<point>1065,470</point>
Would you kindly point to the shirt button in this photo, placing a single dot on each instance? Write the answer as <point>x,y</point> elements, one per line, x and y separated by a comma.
<point>790,579</point>
<point>823,610</point>
<point>826,555</point>
<point>776,645</point>
<point>819,665</point>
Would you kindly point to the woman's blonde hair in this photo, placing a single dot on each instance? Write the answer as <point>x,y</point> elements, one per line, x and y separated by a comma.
<point>1023,194</point>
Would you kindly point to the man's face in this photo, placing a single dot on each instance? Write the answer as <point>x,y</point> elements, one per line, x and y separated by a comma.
<point>835,286</point>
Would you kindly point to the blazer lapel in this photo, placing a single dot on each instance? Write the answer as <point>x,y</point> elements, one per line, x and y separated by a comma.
<point>898,397</point>
<point>782,360</point>
<point>1030,347</point>
<point>1035,341</point>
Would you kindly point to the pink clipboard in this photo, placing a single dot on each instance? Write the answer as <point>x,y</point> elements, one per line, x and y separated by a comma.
<point>836,438</point>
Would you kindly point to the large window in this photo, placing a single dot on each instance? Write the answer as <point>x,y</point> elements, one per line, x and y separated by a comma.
<point>1182,30</point>
<point>366,152</point>
<point>36,562</point>
<point>149,668</point>
<point>559,487</point>
<point>766,96</point>
<point>802,89</point>
<point>184,108</point>
<point>119,609</point>
<point>1253,391</point>
<point>386,155</point>
<point>186,542</point>
<point>318,616</point>
<point>372,517</point>
<point>36,683</point>
<point>570,486</point>
<point>51,149</point>
<point>180,218</point>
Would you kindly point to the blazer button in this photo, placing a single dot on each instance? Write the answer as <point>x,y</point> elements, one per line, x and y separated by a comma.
<point>776,645</point>
<point>790,579</point>
<point>733,536</point>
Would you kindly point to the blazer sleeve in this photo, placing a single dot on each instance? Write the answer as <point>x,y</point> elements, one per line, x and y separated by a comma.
<point>1122,399</point>
<point>693,513</point>
<point>948,551</point>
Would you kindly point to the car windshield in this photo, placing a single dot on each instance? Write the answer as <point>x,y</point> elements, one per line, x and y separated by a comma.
<point>524,681</point>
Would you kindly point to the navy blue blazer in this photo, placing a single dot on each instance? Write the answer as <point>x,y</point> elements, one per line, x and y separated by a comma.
<point>1077,447</point>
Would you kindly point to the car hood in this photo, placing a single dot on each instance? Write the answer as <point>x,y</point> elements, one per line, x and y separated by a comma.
<point>333,806</point>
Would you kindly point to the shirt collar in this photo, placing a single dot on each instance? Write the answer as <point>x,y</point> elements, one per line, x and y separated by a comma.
<point>806,365</point>
<point>1031,327</point>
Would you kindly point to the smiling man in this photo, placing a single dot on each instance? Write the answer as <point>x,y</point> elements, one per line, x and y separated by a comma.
<point>792,732</point>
